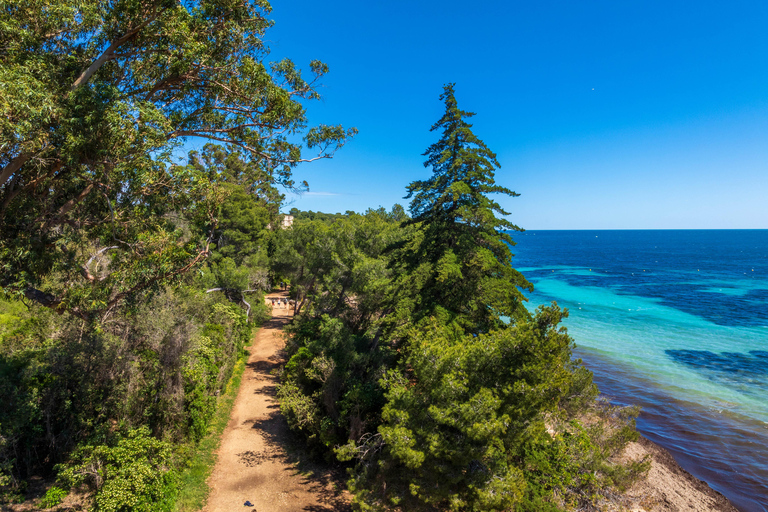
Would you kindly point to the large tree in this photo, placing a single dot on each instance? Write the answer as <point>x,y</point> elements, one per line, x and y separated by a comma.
<point>401,358</point>
<point>459,263</point>
<point>479,411</point>
<point>96,99</point>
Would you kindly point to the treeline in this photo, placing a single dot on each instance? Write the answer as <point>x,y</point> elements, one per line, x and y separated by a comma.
<point>414,359</point>
<point>310,215</point>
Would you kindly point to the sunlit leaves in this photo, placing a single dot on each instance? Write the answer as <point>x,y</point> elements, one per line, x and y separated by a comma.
<point>97,99</point>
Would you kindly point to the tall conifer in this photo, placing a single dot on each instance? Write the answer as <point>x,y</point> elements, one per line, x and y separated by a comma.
<point>465,242</point>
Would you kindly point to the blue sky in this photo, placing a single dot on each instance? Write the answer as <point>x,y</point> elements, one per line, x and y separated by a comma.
<point>603,114</point>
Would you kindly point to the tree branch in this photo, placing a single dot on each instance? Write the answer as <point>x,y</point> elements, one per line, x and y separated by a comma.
<point>205,135</point>
<point>13,166</point>
<point>49,301</point>
<point>109,53</point>
<point>69,205</point>
<point>247,313</point>
<point>86,273</point>
<point>11,194</point>
<point>120,296</point>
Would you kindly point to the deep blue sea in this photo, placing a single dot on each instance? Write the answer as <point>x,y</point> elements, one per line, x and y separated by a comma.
<point>675,321</point>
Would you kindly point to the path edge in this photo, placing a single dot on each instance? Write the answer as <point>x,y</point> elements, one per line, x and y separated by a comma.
<point>194,488</point>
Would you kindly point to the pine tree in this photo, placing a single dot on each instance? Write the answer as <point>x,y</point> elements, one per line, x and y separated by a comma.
<point>465,244</point>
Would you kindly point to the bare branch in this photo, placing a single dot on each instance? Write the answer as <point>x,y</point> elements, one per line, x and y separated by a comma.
<point>247,313</point>
<point>86,273</point>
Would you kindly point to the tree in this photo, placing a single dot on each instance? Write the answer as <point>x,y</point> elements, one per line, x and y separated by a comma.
<point>456,422</point>
<point>459,262</point>
<point>251,203</point>
<point>334,262</point>
<point>330,390</point>
<point>239,261</point>
<point>97,97</point>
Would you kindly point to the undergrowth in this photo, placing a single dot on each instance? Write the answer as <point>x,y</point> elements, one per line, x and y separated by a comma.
<point>193,490</point>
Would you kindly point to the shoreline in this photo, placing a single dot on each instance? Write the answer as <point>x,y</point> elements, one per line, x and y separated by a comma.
<point>725,455</point>
<point>668,487</point>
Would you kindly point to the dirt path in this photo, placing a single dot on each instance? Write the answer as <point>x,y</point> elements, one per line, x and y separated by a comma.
<point>259,460</point>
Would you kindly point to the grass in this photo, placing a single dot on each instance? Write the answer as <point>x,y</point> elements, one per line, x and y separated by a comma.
<point>193,490</point>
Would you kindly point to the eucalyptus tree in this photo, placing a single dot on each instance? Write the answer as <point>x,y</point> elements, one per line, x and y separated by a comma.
<point>97,98</point>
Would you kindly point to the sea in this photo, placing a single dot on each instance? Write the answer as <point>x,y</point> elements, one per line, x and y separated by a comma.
<point>675,321</point>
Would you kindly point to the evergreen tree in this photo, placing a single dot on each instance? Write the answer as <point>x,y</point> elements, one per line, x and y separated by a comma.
<point>468,397</point>
<point>460,261</point>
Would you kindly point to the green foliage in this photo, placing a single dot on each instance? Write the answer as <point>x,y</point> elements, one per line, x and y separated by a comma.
<point>328,391</point>
<point>456,421</point>
<point>250,204</point>
<point>576,465</point>
<point>100,220</point>
<point>331,263</point>
<point>131,473</point>
<point>11,315</point>
<point>97,97</point>
<point>159,367</point>
<point>310,215</point>
<point>53,496</point>
<point>413,359</point>
<point>193,489</point>
<point>457,263</point>
<point>238,267</point>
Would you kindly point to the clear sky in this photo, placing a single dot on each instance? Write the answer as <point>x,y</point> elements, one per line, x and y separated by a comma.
<point>603,114</point>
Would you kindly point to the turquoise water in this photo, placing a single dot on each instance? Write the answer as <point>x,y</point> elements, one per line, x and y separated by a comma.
<point>677,322</point>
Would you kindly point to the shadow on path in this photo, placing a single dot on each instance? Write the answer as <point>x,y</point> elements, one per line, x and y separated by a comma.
<point>325,481</point>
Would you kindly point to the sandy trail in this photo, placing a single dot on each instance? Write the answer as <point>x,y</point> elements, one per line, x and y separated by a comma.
<point>259,460</point>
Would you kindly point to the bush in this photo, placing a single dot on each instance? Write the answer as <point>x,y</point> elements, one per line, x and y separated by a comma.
<point>53,497</point>
<point>130,474</point>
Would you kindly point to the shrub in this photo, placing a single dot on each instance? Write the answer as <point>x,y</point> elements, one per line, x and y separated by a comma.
<point>53,497</point>
<point>130,474</point>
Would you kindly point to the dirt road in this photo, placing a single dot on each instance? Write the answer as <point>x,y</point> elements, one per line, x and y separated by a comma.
<point>259,460</point>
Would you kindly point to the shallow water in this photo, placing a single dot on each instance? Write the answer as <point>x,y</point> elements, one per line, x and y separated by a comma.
<point>677,322</point>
